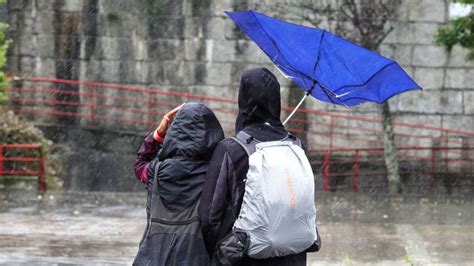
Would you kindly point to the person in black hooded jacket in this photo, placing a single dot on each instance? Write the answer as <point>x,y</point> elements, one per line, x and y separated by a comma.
<point>259,117</point>
<point>173,163</point>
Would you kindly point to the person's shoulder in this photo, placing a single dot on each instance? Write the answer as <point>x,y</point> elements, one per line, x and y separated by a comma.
<point>228,142</point>
<point>230,145</point>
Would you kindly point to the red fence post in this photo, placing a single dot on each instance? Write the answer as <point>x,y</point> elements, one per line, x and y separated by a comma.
<point>355,180</point>
<point>446,154</point>
<point>42,186</point>
<point>332,133</point>
<point>433,168</point>
<point>326,171</point>
<point>1,159</point>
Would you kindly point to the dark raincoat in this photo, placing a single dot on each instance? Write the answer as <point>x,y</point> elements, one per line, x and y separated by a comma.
<point>175,179</point>
<point>259,116</point>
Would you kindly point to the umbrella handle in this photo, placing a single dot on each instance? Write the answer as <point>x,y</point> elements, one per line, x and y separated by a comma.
<point>297,107</point>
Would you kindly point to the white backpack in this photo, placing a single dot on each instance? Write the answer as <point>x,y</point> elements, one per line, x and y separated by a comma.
<point>278,213</point>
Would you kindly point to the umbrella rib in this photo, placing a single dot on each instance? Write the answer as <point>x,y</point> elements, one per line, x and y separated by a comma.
<point>368,80</point>
<point>288,67</point>
<point>324,88</point>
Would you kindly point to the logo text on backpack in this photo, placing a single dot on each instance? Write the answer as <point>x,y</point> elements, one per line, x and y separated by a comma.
<point>291,189</point>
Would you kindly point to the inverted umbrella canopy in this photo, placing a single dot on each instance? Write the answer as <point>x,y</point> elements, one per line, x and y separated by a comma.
<point>325,65</point>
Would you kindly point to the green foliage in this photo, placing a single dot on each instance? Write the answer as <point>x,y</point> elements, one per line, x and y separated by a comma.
<point>113,15</point>
<point>459,31</point>
<point>4,44</point>
<point>464,1</point>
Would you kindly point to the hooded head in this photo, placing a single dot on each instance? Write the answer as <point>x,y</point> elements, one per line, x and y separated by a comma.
<point>193,134</point>
<point>259,99</point>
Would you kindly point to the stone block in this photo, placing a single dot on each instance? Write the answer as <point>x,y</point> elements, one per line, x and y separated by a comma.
<point>403,13</point>
<point>248,51</point>
<point>238,68</point>
<point>165,49</point>
<point>109,70</point>
<point>13,65</point>
<point>469,102</point>
<point>110,48</point>
<point>387,49</point>
<point>431,56</point>
<point>27,45</point>
<point>459,78</point>
<point>195,49</point>
<point>21,5</point>
<point>222,28</point>
<point>458,122</point>
<point>142,70</point>
<point>71,6</point>
<point>429,78</point>
<point>91,47</point>
<point>425,119</point>
<point>127,72</point>
<point>458,57</point>
<point>424,33</point>
<point>223,51</point>
<point>118,27</point>
<point>188,74</point>
<point>428,10</point>
<point>194,28</point>
<point>138,28</point>
<point>218,74</point>
<point>84,71</point>
<point>168,28</point>
<point>45,67</point>
<point>108,6</point>
<point>140,51</point>
<point>431,102</point>
<point>13,20</point>
<point>366,108</point>
<point>219,6</point>
<point>402,54</point>
<point>412,33</point>
<point>28,66</point>
<point>45,46</point>
<point>44,23</point>
<point>43,5</point>
<point>172,73</point>
<point>401,33</point>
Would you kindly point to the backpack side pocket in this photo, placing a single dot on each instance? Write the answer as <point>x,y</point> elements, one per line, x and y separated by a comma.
<point>232,248</point>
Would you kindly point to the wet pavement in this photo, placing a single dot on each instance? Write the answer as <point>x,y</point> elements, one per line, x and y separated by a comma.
<point>356,229</point>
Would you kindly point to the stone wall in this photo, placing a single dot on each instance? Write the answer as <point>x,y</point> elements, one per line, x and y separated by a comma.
<point>190,45</point>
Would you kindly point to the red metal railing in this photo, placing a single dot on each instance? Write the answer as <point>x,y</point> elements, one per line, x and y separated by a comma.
<point>98,103</point>
<point>357,164</point>
<point>139,108</point>
<point>23,160</point>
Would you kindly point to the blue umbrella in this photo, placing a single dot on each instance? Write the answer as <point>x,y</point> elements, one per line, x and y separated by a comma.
<point>325,65</point>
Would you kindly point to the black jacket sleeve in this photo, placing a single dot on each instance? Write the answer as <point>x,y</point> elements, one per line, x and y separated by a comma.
<point>215,196</point>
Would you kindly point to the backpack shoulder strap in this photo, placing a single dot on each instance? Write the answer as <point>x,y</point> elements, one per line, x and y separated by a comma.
<point>295,140</point>
<point>246,141</point>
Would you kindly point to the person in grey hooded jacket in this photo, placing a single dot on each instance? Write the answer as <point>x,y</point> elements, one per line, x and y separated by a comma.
<point>173,162</point>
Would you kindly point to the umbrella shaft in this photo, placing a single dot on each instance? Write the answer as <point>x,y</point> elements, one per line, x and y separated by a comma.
<point>296,108</point>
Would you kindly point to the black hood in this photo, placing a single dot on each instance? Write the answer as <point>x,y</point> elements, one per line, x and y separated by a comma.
<point>259,99</point>
<point>185,154</point>
<point>193,134</point>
